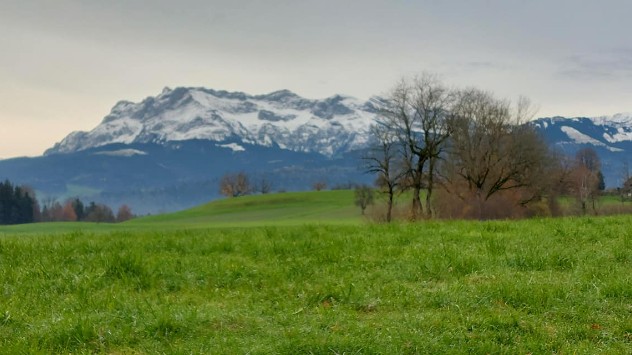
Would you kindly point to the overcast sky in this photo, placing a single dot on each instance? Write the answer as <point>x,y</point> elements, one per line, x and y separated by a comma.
<point>65,63</point>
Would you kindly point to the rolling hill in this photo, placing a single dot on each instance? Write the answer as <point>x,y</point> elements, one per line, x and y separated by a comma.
<point>278,209</point>
<point>290,208</point>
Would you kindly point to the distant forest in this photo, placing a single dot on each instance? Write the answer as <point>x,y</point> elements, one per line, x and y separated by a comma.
<point>19,204</point>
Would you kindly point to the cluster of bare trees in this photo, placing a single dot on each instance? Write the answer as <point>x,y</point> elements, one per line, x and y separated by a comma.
<point>625,190</point>
<point>467,145</point>
<point>241,184</point>
<point>74,210</point>
<point>581,177</point>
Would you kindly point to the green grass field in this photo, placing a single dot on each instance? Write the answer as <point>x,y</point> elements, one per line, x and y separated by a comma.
<point>257,275</point>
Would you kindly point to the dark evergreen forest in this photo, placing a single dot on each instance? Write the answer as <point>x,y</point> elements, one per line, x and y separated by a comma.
<point>17,204</point>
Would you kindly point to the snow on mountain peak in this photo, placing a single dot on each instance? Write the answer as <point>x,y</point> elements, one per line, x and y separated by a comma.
<point>280,95</point>
<point>608,132</point>
<point>329,126</point>
<point>618,120</point>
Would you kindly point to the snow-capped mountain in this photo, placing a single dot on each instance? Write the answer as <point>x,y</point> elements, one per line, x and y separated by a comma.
<point>330,126</point>
<point>608,132</point>
<point>610,136</point>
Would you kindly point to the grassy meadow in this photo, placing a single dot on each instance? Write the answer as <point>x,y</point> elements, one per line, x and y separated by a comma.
<point>259,276</point>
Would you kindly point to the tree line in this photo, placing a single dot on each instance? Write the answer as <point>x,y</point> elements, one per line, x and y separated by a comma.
<point>464,153</point>
<point>74,210</point>
<point>241,184</point>
<point>19,204</point>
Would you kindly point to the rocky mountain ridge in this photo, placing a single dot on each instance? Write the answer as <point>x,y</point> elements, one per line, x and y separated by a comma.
<point>331,126</point>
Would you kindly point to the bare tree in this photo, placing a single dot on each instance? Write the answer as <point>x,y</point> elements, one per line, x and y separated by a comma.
<point>319,185</point>
<point>417,111</point>
<point>588,158</point>
<point>56,212</point>
<point>263,185</point>
<point>625,189</point>
<point>68,212</point>
<point>124,214</point>
<point>561,173</point>
<point>558,179</point>
<point>98,212</point>
<point>234,185</point>
<point>587,178</point>
<point>491,150</point>
<point>382,160</point>
<point>47,209</point>
<point>363,197</point>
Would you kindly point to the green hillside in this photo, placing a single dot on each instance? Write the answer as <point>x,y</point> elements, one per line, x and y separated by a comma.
<point>291,208</point>
<point>281,209</point>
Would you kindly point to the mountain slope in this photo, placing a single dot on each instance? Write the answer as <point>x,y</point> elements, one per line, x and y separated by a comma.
<point>152,177</point>
<point>291,208</point>
<point>330,127</point>
<point>609,136</point>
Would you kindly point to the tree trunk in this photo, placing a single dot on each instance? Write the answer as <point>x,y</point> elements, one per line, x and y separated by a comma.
<point>416,207</point>
<point>389,207</point>
<point>481,202</point>
<point>429,188</point>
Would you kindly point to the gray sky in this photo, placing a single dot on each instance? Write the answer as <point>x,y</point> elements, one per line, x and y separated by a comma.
<point>65,63</point>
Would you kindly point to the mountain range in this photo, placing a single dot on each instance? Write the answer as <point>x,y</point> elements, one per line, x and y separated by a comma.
<point>329,127</point>
<point>168,152</point>
<point>609,136</point>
